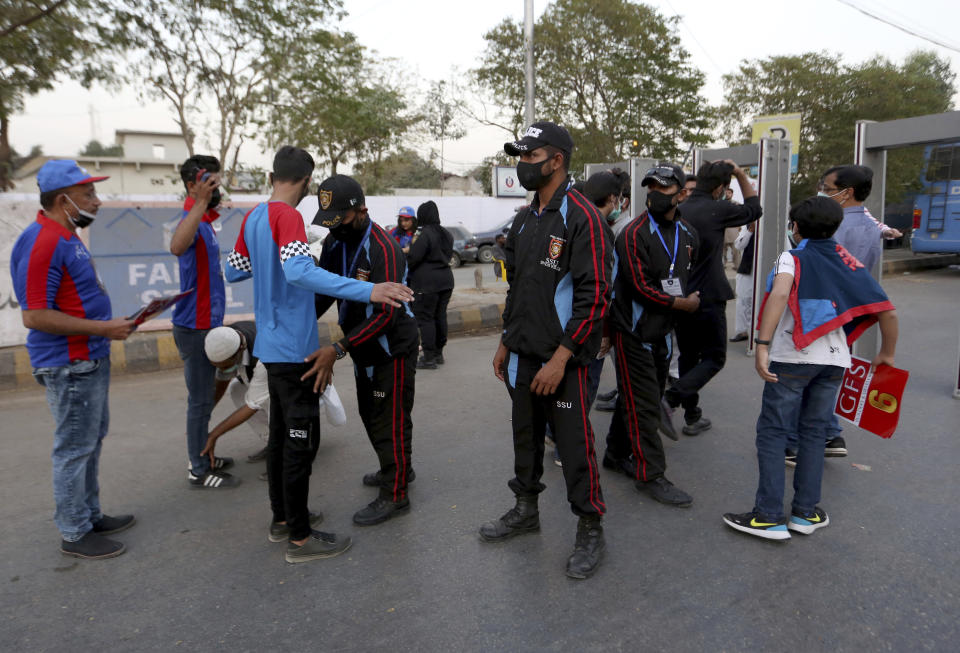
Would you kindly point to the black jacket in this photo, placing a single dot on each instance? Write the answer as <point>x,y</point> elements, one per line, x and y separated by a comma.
<point>640,305</point>
<point>559,266</point>
<point>430,253</point>
<point>375,333</point>
<point>710,217</point>
<point>249,330</point>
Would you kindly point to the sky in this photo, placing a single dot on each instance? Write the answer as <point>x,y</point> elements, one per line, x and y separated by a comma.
<point>436,39</point>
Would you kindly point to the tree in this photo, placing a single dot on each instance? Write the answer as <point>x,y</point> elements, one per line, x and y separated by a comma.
<point>225,52</point>
<point>40,43</point>
<point>334,99</point>
<point>401,169</point>
<point>440,113</point>
<point>611,71</point>
<point>96,148</point>
<point>831,96</point>
<point>483,173</point>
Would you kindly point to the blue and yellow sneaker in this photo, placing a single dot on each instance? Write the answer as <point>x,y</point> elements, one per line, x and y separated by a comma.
<point>806,524</point>
<point>751,522</point>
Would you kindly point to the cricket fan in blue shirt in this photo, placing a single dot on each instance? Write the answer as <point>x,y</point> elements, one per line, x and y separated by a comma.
<point>68,313</point>
<point>195,245</point>
<point>559,259</point>
<point>272,249</point>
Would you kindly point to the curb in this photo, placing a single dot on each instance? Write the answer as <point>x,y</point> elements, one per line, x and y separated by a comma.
<point>155,350</point>
<point>920,262</point>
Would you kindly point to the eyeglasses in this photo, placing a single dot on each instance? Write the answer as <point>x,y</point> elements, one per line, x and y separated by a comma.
<point>829,189</point>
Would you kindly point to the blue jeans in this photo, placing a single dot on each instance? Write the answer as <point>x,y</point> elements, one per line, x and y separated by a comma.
<point>200,375</point>
<point>801,402</point>
<point>833,431</point>
<point>78,396</point>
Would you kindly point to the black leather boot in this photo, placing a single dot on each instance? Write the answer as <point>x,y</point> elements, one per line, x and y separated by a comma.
<point>588,549</point>
<point>522,518</point>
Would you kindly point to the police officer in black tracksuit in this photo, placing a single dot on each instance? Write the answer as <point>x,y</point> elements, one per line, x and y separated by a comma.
<point>558,260</point>
<point>382,341</point>
<point>654,256</point>
<point>702,335</point>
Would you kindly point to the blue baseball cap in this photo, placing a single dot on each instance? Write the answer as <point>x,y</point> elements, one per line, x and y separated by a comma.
<point>407,212</point>
<point>63,173</point>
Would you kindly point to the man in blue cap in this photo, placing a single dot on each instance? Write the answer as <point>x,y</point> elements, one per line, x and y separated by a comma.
<point>68,313</point>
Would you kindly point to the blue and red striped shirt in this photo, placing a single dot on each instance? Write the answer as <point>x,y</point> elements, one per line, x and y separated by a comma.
<point>200,269</point>
<point>51,269</point>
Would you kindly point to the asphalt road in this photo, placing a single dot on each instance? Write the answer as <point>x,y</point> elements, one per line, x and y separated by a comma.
<point>200,574</point>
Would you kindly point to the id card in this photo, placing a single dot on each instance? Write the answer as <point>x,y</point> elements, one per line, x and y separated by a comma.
<point>672,287</point>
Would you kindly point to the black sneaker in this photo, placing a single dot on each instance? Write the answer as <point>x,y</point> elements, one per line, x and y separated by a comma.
<point>806,524</point>
<point>666,420</point>
<point>318,545</point>
<point>280,532</point>
<point>662,490</point>
<point>108,525</point>
<point>260,456</point>
<point>373,478</point>
<point>606,406</point>
<point>424,363</point>
<point>607,396</point>
<point>625,466</point>
<point>438,358</point>
<point>836,448</point>
<point>92,546</point>
<point>697,427</point>
<point>212,480</point>
<point>380,510</point>
<point>221,464</point>
<point>790,458</point>
<point>750,522</point>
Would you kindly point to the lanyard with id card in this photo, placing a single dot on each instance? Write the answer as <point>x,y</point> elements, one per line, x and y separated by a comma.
<point>670,285</point>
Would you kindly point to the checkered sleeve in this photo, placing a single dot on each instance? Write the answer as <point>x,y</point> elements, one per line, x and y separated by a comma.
<point>293,248</point>
<point>238,261</point>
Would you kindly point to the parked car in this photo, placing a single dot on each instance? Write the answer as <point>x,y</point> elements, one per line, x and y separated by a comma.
<point>464,246</point>
<point>486,239</point>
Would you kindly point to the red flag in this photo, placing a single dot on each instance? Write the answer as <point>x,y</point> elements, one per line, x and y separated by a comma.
<point>871,399</point>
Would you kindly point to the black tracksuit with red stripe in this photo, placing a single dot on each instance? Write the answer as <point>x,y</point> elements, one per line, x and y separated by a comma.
<point>559,266</point>
<point>642,317</point>
<point>383,342</point>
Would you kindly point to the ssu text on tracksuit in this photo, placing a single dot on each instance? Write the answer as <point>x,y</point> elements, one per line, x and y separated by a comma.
<point>559,269</point>
<point>383,342</point>
<point>654,260</point>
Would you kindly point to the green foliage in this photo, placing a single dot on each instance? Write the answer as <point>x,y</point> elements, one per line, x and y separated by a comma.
<point>484,172</point>
<point>831,96</point>
<point>96,148</point>
<point>333,99</point>
<point>402,169</point>
<point>611,71</point>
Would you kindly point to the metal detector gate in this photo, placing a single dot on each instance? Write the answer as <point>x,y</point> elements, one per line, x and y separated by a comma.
<point>771,156</point>
<point>635,168</point>
<point>872,140</point>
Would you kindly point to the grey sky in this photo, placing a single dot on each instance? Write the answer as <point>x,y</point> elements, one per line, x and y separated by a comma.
<point>433,36</point>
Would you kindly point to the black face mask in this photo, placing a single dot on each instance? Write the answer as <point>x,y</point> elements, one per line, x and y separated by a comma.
<point>530,175</point>
<point>83,219</point>
<point>659,204</point>
<point>350,234</point>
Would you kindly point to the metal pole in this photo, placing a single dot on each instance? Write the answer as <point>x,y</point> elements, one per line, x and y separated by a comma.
<point>528,47</point>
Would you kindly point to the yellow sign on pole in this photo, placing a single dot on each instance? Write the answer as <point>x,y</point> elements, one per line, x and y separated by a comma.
<point>786,126</point>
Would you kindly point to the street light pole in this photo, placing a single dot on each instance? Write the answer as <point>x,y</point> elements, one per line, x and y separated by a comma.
<point>528,47</point>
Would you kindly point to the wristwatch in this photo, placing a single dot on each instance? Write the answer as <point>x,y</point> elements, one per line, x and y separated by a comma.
<point>341,352</point>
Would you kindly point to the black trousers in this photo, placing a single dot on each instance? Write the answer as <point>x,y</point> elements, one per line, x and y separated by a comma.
<point>567,412</point>
<point>702,340</point>
<point>385,400</point>
<point>292,447</point>
<point>642,370</point>
<point>430,309</point>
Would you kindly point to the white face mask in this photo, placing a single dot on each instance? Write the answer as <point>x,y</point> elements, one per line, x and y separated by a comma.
<point>83,219</point>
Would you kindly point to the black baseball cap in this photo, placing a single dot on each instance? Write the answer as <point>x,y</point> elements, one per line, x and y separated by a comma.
<point>665,174</point>
<point>337,194</point>
<point>539,134</point>
<point>601,185</point>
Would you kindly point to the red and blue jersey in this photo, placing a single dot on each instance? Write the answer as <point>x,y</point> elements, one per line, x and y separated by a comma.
<point>51,269</point>
<point>200,269</point>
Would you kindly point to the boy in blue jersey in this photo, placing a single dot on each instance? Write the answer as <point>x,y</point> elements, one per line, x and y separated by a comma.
<point>195,245</point>
<point>68,313</point>
<point>272,249</point>
<point>801,354</point>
